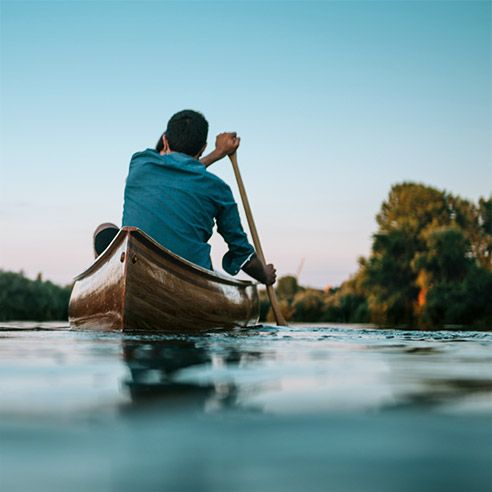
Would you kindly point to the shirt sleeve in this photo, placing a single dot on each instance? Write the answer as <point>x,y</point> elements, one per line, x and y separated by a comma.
<point>230,228</point>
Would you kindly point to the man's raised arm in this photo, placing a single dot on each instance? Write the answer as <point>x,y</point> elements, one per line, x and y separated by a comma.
<point>225,144</point>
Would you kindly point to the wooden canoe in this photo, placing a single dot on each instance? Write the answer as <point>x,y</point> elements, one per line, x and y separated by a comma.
<point>138,285</point>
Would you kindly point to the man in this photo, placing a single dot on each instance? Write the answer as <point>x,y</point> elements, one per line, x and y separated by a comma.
<point>171,196</point>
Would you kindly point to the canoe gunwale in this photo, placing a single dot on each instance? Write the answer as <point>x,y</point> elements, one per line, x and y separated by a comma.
<point>142,237</point>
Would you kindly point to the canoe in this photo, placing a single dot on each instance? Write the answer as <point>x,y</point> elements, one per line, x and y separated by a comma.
<point>138,285</point>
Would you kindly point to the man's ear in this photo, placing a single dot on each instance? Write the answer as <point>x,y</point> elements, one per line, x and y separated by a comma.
<point>165,145</point>
<point>202,150</point>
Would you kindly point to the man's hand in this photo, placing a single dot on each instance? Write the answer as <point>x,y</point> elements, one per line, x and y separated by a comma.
<point>227,143</point>
<point>270,274</point>
<point>266,274</point>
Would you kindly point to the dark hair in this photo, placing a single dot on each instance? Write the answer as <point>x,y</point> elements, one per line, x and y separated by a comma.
<point>186,132</point>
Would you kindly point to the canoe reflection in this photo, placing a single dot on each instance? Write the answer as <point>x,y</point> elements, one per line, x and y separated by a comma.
<point>155,367</point>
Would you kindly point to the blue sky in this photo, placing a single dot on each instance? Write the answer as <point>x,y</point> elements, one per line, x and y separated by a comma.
<point>335,102</point>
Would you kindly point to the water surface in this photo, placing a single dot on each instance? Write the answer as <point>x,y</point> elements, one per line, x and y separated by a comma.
<point>336,408</point>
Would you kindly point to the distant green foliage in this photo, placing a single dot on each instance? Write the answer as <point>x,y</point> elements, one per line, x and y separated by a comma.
<point>346,305</point>
<point>430,266</point>
<point>303,304</point>
<point>463,302</point>
<point>35,300</point>
<point>308,305</point>
<point>287,288</point>
<point>429,255</point>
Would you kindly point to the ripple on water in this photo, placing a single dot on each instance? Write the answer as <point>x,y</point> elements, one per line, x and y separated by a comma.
<point>296,369</point>
<point>269,409</point>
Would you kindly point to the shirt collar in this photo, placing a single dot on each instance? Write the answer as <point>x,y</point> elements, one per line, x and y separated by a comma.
<point>180,159</point>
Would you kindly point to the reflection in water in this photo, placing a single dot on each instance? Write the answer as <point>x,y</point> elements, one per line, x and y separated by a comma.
<point>275,373</point>
<point>155,365</point>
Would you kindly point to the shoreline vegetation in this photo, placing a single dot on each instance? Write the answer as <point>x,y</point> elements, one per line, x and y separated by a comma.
<point>430,267</point>
<point>23,299</point>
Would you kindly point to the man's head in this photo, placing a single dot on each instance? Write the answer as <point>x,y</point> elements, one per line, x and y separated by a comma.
<point>186,132</point>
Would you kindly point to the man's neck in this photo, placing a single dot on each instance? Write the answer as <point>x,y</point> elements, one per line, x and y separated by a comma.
<point>167,152</point>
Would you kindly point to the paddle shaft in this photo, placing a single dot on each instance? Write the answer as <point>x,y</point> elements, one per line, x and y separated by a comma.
<point>256,239</point>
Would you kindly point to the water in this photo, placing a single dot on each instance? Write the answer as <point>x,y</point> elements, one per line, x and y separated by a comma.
<point>303,408</point>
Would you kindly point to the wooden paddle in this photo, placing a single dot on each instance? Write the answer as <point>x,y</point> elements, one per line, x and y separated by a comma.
<point>256,239</point>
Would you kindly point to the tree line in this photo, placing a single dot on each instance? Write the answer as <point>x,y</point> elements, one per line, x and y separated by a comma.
<point>430,266</point>
<point>34,300</point>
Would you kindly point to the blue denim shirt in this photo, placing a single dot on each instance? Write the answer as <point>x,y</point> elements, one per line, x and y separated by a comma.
<point>176,201</point>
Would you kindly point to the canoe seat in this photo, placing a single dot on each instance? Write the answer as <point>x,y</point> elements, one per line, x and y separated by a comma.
<point>103,235</point>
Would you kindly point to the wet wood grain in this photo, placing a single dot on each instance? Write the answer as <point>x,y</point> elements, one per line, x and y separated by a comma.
<point>137,285</point>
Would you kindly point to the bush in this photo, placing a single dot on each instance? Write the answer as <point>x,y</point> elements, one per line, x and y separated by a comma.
<point>22,299</point>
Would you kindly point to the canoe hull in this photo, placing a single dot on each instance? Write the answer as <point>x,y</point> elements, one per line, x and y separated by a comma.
<point>137,285</point>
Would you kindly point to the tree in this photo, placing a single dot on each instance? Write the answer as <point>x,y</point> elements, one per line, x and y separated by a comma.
<point>287,287</point>
<point>447,255</point>
<point>348,303</point>
<point>427,245</point>
<point>35,300</point>
<point>309,305</point>
<point>483,244</point>
<point>430,265</point>
<point>389,278</point>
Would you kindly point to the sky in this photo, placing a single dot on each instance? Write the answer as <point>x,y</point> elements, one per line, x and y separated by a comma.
<point>334,101</point>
